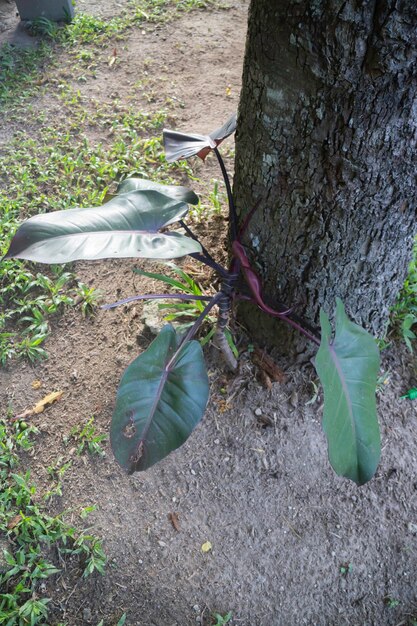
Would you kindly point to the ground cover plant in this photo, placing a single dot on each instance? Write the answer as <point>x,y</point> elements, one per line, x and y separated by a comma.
<point>164,392</point>
<point>37,544</point>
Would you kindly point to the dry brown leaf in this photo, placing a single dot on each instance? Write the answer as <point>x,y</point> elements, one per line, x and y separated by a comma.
<point>174,519</point>
<point>40,406</point>
<point>265,380</point>
<point>14,522</point>
<point>268,365</point>
<point>49,399</point>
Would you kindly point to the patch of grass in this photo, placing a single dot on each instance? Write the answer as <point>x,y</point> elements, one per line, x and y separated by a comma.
<point>52,164</point>
<point>54,170</point>
<point>34,544</point>
<point>216,202</point>
<point>19,71</point>
<point>404,312</point>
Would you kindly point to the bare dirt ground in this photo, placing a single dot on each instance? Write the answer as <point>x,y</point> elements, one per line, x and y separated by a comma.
<point>292,544</point>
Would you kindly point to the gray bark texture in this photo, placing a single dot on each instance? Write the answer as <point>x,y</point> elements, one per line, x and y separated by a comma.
<point>326,143</point>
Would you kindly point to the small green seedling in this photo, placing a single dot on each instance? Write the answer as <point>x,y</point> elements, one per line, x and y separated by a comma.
<point>56,471</point>
<point>346,568</point>
<point>221,620</point>
<point>87,298</point>
<point>390,602</point>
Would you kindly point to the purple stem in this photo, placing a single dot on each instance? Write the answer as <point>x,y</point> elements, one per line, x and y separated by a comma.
<point>206,257</point>
<point>284,317</point>
<point>231,202</point>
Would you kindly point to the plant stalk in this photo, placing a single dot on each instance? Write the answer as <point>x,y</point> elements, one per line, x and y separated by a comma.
<point>230,199</point>
<point>206,257</point>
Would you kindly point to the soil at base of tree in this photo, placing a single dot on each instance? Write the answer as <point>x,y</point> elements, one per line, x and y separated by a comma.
<point>292,544</point>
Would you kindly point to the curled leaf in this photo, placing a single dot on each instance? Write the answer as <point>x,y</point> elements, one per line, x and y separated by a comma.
<point>183,145</point>
<point>176,192</point>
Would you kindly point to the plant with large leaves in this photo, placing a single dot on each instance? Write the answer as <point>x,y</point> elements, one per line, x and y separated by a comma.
<point>164,391</point>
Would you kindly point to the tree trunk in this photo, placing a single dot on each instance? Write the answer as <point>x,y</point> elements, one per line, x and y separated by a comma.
<point>326,143</point>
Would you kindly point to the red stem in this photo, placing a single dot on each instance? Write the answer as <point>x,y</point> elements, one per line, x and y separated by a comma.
<point>254,283</point>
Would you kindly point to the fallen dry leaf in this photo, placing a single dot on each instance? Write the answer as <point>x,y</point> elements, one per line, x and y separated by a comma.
<point>49,399</point>
<point>265,380</point>
<point>14,522</point>
<point>268,365</point>
<point>36,384</point>
<point>40,406</point>
<point>174,519</point>
<point>112,59</point>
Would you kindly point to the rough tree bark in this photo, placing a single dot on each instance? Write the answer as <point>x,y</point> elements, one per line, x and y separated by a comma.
<point>326,141</point>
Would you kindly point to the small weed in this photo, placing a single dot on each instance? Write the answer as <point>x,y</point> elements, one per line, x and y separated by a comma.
<point>221,620</point>
<point>382,382</point>
<point>390,602</point>
<point>56,473</point>
<point>88,298</point>
<point>346,568</point>
<point>87,439</point>
<point>409,321</point>
<point>184,313</point>
<point>216,200</point>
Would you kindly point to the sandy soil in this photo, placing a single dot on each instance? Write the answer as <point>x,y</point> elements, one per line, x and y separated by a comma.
<point>283,527</point>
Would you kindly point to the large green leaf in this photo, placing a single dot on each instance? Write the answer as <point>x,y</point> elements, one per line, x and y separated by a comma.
<point>161,398</point>
<point>183,194</point>
<point>126,226</point>
<point>348,367</point>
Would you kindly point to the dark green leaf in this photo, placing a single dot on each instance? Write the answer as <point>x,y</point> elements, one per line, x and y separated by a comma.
<point>182,194</point>
<point>348,367</point>
<point>161,398</point>
<point>126,226</point>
